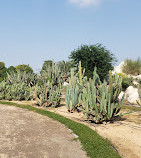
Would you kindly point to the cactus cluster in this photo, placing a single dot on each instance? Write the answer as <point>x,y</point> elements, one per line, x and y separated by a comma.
<point>53,74</point>
<point>72,98</point>
<point>54,97</point>
<point>74,90</point>
<point>49,96</point>
<point>99,101</point>
<point>18,91</point>
<point>22,77</point>
<point>44,88</point>
<point>17,86</point>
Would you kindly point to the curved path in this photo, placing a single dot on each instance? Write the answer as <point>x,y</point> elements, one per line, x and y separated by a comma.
<point>25,134</point>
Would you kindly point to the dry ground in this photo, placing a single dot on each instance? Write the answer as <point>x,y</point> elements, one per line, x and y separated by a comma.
<point>25,134</point>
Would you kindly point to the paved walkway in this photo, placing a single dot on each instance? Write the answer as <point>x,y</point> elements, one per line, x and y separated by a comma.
<point>25,134</point>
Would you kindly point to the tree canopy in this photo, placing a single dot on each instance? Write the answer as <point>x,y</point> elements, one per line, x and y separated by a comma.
<point>46,64</point>
<point>11,68</point>
<point>94,56</point>
<point>25,68</point>
<point>3,70</point>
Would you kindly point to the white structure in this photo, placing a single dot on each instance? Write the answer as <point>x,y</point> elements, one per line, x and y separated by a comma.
<point>132,94</point>
<point>118,69</point>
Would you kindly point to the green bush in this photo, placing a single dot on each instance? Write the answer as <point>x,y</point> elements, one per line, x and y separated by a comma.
<point>24,68</point>
<point>126,82</point>
<point>132,67</point>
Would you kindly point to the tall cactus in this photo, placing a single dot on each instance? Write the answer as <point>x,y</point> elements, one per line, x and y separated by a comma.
<point>71,98</point>
<point>74,90</point>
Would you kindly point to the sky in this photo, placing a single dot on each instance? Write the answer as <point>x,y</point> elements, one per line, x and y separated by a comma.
<point>33,31</point>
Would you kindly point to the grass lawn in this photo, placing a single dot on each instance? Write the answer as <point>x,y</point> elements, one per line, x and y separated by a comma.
<point>92,143</point>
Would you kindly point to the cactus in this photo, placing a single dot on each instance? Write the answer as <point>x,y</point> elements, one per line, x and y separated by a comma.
<point>102,104</point>
<point>115,86</point>
<point>53,74</point>
<point>54,96</point>
<point>73,97</point>
<point>97,100</point>
<point>49,96</point>
<point>44,88</point>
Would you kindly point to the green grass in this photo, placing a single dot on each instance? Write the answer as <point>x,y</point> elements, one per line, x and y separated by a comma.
<point>132,108</point>
<point>92,143</point>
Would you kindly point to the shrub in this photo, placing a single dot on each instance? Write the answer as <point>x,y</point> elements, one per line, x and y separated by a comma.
<point>132,67</point>
<point>126,82</point>
<point>24,68</point>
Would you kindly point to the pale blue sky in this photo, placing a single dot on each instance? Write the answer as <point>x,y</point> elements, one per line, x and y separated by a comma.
<point>32,31</point>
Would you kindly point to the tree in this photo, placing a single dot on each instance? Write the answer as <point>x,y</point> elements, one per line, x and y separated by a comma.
<point>46,64</point>
<point>11,69</point>
<point>94,56</point>
<point>3,70</point>
<point>25,68</point>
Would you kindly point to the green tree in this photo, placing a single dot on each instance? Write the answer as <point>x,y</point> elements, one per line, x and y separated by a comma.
<point>46,64</point>
<point>11,68</point>
<point>94,56</point>
<point>25,68</point>
<point>3,70</point>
